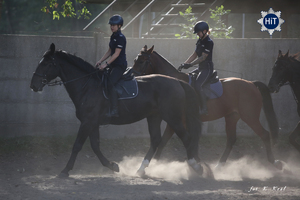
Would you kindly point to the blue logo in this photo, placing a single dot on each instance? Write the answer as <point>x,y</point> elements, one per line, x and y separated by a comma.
<point>270,21</point>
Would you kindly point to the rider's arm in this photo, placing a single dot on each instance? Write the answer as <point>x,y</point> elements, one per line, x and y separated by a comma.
<point>200,59</point>
<point>114,56</point>
<point>191,58</point>
<point>106,55</point>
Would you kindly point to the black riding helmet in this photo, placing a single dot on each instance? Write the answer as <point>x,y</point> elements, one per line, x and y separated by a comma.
<point>201,26</point>
<point>116,20</point>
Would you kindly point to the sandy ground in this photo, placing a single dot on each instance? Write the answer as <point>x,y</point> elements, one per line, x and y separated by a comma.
<point>28,169</point>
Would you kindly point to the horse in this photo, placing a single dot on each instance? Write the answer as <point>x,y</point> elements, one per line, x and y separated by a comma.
<point>287,70</point>
<point>159,98</point>
<point>241,99</point>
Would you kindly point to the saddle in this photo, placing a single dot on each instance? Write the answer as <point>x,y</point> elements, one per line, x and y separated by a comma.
<point>212,87</point>
<point>126,87</point>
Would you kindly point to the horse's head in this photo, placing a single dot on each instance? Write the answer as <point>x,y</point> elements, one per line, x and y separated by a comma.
<point>45,71</point>
<point>142,63</point>
<point>281,72</point>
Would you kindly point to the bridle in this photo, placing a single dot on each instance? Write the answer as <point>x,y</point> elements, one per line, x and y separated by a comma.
<point>284,82</point>
<point>145,66</point>
<point>59,82</point>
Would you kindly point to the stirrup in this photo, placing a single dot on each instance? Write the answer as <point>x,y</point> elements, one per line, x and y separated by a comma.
<point>112,113</point>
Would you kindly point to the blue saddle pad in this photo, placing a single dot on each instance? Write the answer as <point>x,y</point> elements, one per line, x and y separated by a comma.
<point>127,89</point>
<point>213,90</point>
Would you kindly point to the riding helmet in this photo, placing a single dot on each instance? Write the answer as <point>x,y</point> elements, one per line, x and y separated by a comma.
<point>116,20</point>
<point>201,26</point>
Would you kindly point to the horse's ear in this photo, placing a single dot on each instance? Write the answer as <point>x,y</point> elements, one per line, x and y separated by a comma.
<point>150,50</point>
<point>145,48</point>
<point>279,53</point>
<point>52,48</point>
<point>287,54</point>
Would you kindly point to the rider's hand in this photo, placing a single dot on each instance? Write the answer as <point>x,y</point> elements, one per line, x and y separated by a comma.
<point>102,66</point>
<point>186,65</point>
<point>97,64</point>
<point>180,68</point>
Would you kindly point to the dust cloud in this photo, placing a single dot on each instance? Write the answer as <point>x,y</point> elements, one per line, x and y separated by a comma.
<point>237,170</point>
<point>157,169</point>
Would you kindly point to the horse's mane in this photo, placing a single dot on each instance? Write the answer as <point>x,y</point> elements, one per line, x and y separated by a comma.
<point>296,57</point>
<point>163,58</point>
<point>74,60</point>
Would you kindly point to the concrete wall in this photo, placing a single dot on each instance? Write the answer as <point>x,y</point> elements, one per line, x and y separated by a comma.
<point>23,112</point>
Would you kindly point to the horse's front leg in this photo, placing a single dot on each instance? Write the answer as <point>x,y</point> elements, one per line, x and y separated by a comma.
<point>155,138</point>
<point>80,139</point>
<point>94,140</point>
<point>293,137</point>
<point>169,132</point>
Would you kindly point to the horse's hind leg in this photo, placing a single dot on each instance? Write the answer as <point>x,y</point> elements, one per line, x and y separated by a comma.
<point>266,138</point>
<point>169,132</point>
<point>94,140</point>
<point>293,137</point>
<point>231,121</point>
<point>154,122</point>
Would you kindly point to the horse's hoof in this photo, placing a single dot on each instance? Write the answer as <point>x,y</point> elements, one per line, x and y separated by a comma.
<point>114,167</point>
<point>283,167</point>
<point>63,175</point>
<point>219,166</point>
<point>207,171</point>
<point>141,173</point>
<point>192,163</point>
<point>278,164</point>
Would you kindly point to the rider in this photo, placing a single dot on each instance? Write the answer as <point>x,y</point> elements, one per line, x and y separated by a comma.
<point>117,62</point>
<point>202,56</point>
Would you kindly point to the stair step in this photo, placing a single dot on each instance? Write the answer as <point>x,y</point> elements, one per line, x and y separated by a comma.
<point>163,25</point>
<point>175,15</point>
<point>186,4</point>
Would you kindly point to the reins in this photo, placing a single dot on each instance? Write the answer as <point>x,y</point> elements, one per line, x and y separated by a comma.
<point>60,82</point>
<point>287,64</point>
<point>148,62</point>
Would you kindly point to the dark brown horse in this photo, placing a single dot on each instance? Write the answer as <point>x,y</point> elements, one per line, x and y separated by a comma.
<point>287,70</point>
<point>241,99</point>
<point>84,86</point>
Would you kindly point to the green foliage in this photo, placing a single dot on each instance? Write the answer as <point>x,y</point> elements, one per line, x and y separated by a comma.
<point>220,30</point>
<point>25,17</point>
<point>187,29</point>
<point>218,27</point>
<point>66,10</point>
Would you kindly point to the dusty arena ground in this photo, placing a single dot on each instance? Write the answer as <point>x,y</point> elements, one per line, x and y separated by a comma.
<point>29,165</point>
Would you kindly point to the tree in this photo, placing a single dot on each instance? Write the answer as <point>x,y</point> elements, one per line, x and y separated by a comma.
<point>1,3</point>
<point>187,29</point>
<point>220,30</point>
<point>217,26</point>
<point>65,8</point>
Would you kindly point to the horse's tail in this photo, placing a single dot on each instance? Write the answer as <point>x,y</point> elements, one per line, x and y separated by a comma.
<point>193,122</point>
<point>268,109</point>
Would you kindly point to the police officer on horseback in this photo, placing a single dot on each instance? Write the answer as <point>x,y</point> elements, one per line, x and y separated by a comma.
<point>203,57</point>
<point>116,63</point>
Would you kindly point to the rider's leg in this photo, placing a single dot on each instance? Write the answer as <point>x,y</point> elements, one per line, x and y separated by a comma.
<point>200,80</point>
<point>115,74</point>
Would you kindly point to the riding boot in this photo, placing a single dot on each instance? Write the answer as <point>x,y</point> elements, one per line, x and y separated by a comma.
<point>113,111</point>
<point>203,105</point>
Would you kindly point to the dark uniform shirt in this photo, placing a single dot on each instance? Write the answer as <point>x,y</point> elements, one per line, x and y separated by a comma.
<point>206,45</point>
<point>118,40</point>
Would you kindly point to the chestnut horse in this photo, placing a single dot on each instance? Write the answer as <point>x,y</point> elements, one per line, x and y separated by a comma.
<point>241,99</point>
<point>287,70</point>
